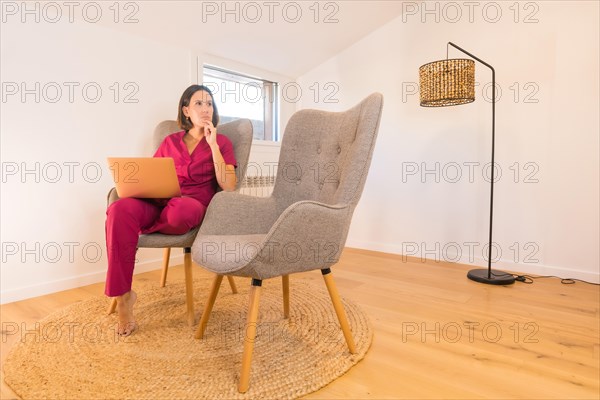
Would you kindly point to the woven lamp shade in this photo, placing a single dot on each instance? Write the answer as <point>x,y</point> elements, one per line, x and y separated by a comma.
<point>447,82</point>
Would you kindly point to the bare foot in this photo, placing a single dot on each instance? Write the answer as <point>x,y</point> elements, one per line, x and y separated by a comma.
<point>127,324</point>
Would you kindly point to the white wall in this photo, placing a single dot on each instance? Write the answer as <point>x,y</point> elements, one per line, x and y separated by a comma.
<point>53,219</point>
<point>546,227</point>
<point>52,230</point>
<point>47,221</point>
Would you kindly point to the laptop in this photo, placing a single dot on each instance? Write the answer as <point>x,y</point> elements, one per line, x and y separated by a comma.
<point>145,177</point>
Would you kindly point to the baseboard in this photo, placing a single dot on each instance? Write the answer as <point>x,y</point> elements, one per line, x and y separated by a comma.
<point>450,257</point>
<point>28,292</point>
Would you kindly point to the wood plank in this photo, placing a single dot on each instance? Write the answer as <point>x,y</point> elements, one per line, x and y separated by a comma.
<point>520,341</point>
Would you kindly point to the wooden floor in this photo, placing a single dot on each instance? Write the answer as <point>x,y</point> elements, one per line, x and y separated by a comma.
<point>437,334</point>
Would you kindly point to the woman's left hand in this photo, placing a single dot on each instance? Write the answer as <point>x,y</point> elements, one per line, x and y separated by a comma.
<point>210,133</point>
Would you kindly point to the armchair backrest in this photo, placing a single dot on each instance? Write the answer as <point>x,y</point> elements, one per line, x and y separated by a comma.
<point>238,131</point>
<point>325,156</point>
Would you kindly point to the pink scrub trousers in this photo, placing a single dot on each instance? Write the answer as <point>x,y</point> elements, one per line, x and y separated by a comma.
<point>127,218</point>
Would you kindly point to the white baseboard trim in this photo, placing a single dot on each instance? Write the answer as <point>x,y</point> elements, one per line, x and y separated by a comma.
<point>504,264</point>
<point>28,292</point>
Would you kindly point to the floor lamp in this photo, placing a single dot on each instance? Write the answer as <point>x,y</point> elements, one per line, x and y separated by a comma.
<point>451,82</point>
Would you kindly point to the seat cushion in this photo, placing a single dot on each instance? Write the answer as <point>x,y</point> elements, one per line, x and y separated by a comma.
<point>160,240</point>
<point>225,254</point>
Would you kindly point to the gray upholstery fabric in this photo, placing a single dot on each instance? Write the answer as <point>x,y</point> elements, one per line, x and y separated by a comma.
<point>303,225</point>
<point>240,134</point>
<point>160,240</point>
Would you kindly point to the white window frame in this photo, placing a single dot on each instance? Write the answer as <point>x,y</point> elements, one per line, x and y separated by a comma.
<point>270,101</point>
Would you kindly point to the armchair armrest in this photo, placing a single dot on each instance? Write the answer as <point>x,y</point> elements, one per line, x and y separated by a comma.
<point>316,230</point>
<point>232,213</point>
<point>112,196</point>
<point>307,235</point>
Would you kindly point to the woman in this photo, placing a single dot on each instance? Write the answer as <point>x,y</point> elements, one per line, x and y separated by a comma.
<point>203,160</point>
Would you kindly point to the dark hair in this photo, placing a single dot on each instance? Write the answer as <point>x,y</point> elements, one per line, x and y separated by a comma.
<point>182,120</point>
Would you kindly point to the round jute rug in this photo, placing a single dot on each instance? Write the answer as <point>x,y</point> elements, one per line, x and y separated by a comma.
<point>74,353</point>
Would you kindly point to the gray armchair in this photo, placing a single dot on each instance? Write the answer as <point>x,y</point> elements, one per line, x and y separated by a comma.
<point>303,225</point>
<point>240,134</point>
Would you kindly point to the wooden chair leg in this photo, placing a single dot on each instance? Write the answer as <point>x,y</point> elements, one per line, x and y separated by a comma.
<point>113,306</point>
<point>244,383</point>
<point>286,295</point>
<point>232,284</point>
<point>339,309</point>
<point>165,267</point>
<point>214,290</point>
<point>189,285</point>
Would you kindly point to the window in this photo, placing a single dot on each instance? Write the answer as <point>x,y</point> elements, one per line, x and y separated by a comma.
<point>241,96</point>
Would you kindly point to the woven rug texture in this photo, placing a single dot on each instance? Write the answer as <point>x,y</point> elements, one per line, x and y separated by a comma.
<point>75,354</point>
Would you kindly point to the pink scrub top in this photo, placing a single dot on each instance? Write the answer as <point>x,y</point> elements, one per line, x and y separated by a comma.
<point>196,171</point>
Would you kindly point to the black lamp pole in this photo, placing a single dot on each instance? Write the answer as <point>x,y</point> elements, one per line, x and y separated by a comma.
<point>483,275</point>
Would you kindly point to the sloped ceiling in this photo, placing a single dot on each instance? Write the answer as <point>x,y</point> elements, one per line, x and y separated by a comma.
<point>286,37</point>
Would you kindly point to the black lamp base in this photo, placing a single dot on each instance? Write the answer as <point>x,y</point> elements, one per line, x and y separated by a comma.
<point>497,277</point>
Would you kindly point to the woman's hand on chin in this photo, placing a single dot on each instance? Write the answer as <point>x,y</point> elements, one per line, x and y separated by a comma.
<point>210,133</point>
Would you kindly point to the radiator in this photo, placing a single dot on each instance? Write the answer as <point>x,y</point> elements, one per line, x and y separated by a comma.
<point>259,186</point>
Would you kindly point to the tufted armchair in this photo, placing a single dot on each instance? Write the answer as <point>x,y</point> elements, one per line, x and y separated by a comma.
<point>240,134</point>
<point>303,225</point>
